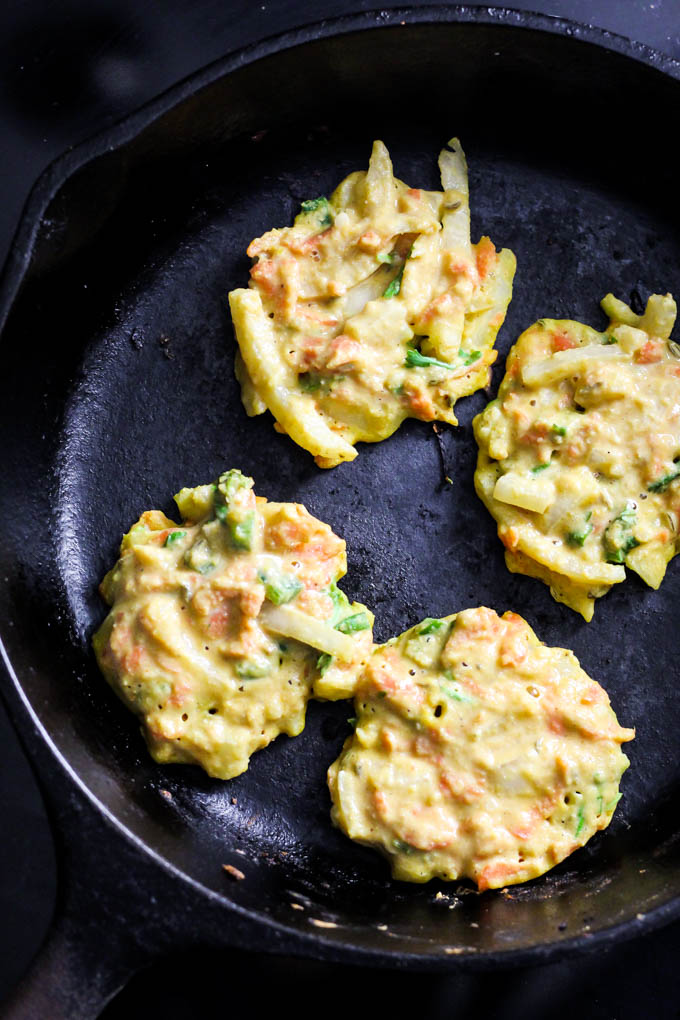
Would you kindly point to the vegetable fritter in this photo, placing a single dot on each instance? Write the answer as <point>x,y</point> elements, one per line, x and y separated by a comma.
<point>223,627</point>
<point>372,308</point>
<point>578,455</point>
<point>478,753</point>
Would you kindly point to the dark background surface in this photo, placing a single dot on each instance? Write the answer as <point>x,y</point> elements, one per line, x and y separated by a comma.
<point>67,70</point>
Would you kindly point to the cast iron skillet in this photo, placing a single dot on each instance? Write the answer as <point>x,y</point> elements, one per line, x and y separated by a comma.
<point>117,389</point>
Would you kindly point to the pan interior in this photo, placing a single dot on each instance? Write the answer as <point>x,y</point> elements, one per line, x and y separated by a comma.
<point>119,390</point>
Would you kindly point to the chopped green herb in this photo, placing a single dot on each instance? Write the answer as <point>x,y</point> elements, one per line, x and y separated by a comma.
<point>612,803</point>
<point>323,663</point>
<point>340,603</point>
<point>401,847</point>
<point>579,537</point>
<point>540,467</point>
<point>280,588</point>
<point>619,555</point>
<point>352,624</point>
<point>430,625</point>
<point>467,357</point>
<point>618,538</point>
<point>581,820</point>
<point>229,484</point>
<point>353,721</point>
<point>175,536</point>
<point>414,359</point>
<point>388,257</point>
<point>628,514</point>
<point>558,430</point>
<point>229,508</point>
<point>608,339</point>
<point>151,694</point>
<point>453,693</point>
<point>242,531</point>
<point>394,286</point>
<point>322,209</point>
<point>312,204</point>
<point>310,381</point>
<point>451,688</point>
<point>252,669</point>
<point>662,483</point>
<point>425,642</point>
<point>199,557</point>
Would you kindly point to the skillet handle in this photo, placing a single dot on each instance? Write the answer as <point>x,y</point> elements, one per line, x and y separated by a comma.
<point>65,982</point>
<point>118,909</point>
<point>105,924</point>
<point>111,917</point>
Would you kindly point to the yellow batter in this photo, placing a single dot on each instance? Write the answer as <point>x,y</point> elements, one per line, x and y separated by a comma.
<point>578,455</point>
<point>478,753</point>
<point>372,308</point>
<point>223,627</point>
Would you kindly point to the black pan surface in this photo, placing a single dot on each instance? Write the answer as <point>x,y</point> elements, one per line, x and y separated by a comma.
<point>118,388</point>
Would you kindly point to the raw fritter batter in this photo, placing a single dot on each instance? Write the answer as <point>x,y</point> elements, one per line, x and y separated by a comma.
<point>374,307</point>
<point>578,455</point>
<point>478,753</point>
<point>223,627</point>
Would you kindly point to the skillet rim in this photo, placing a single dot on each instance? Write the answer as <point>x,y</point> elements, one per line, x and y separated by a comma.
<point>28,725</point>
<point>57,172</point>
